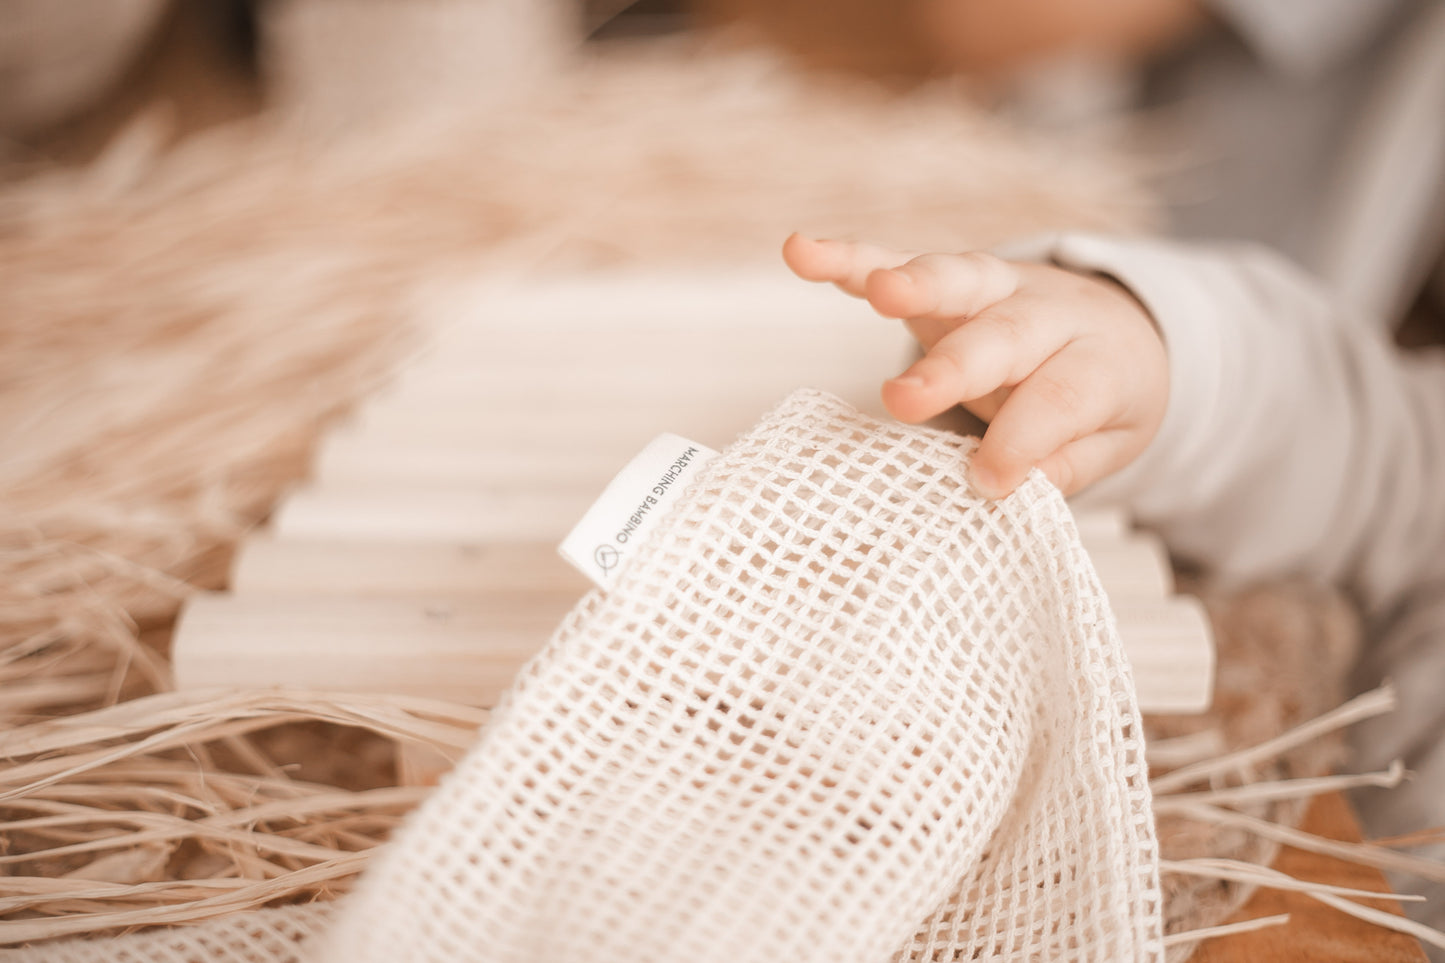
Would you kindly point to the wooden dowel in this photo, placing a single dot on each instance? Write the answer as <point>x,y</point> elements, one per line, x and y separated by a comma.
<point>1170,647</point>
<point>270,566</point>
<point>597,428</point>
<point>303,566</point>
<point>600,312</point>
<point>1101,524</point>
<point>461,384</point>
<point>436,514</point>
<point>468,650</point>
<point>347,460</point>
<point>785,344</point>
<point>1134,566</point>
<point>529,509</point>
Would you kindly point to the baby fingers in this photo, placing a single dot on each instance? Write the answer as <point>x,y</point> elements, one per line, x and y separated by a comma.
<point>1080,463</point>
<point>941,287</point>
<point>1060,404</point>
<point>845,263</point>
<point>996,349</point>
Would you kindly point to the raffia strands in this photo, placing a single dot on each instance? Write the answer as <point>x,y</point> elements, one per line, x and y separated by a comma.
<point>1227,794</point>
<point>106,808</point>
<point>1373,703</point>
<point>175,720</point>
<point>286,837</point>
<point>1193,937</point>
<point>1341,898</point>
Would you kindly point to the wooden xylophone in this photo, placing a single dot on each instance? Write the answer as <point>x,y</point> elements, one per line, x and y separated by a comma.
<point>420,558</point>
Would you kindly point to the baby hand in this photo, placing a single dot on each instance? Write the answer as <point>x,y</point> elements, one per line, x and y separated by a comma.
<point>1068,369</point>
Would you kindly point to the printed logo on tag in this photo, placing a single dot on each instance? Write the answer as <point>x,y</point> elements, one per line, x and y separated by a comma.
<point>616,524</point>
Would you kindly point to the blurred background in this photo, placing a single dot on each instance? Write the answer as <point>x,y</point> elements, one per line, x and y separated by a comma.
<point>1240,120</point>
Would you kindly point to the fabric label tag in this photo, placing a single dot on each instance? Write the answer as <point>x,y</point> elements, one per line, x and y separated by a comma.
<point>602,542</point>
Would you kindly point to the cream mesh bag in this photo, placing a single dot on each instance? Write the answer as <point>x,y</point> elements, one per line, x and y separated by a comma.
<point>836,708</point>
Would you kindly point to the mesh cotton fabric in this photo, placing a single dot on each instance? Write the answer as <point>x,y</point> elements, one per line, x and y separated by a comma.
<point>837,708</point>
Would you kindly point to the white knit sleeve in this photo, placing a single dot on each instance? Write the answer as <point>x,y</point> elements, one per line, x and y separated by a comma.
<point>1296,438</point>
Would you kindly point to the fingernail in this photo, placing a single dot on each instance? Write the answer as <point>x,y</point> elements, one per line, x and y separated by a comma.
<point>986,483</point>
<point>908,381</point>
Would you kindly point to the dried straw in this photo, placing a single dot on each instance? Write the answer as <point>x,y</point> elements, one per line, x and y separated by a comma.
<point>1192,937</point>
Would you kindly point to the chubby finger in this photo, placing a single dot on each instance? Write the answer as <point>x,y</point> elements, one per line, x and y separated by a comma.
<point>1060,402</point>
<point>1081,462</point>
<point>844,263</point>
<point>939,287</point>
<point>987,406</point>
<point>994,350</point>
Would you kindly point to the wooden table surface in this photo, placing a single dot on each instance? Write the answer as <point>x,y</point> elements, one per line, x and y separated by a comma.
<point>1315,932</point>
